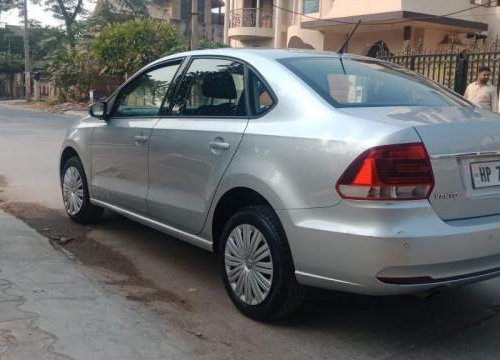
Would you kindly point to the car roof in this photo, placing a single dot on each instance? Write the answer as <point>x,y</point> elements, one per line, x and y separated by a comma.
<point>272,54</point>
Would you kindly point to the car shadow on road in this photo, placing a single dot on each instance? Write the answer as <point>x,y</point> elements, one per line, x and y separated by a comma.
<point>403,327</point>
<point>327,320</point>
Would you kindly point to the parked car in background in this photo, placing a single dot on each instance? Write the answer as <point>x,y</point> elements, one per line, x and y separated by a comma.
<point>296,168</point>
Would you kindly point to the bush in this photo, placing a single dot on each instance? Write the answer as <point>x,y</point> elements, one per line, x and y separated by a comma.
<point>122,49</point>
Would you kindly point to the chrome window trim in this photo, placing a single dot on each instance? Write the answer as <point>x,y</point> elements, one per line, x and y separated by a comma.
<point>465,154</point>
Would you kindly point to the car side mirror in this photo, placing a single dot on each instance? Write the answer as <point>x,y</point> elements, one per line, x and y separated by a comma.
<point>98,110</point>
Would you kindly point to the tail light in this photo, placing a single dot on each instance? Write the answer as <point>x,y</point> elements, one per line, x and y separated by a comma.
<point>392,172</point>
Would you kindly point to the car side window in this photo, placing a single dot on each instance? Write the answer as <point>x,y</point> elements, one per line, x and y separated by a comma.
<point>144,95</point>
<point>260,96</point>
<point>211,87</point>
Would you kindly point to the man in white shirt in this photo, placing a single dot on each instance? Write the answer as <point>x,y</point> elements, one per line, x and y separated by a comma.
<point>481,92</point>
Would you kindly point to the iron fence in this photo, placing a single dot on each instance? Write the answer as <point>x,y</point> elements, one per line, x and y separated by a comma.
<point>453,69</point>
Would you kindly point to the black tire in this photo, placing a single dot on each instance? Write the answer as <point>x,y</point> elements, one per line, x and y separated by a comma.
<point>88,213</point>
<point>285,294</point>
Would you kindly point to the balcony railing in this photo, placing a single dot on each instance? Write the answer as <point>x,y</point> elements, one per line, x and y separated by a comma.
<point>251,17</point>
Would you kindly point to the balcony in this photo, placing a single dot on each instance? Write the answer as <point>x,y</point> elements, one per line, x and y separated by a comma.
<point>251,23</point>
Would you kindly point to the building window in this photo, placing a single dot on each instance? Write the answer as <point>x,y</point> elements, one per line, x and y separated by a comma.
<point>311,6</point>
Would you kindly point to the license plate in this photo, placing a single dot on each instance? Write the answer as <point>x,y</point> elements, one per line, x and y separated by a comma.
<point>485,174</point>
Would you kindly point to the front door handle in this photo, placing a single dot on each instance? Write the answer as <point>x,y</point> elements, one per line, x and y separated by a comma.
<point>219,145</point>
<point>141,139</point>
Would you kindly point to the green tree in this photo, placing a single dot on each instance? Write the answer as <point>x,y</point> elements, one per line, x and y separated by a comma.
<point>45,40</point>
<point>68,11</point>
<point>103,14</point>
<point>118,11</point>
<point>11,52</point>
<point>72,72</point>
<point>107,13</point>
<point>137,7</point>
<point>124,48</point>
<point>6,5</point>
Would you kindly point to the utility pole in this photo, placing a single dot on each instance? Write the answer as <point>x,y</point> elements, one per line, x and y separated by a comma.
<point>194,25</point>
<point>27,77</point>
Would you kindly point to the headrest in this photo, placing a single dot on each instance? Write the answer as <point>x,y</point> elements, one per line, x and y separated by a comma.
<point>219,85</point>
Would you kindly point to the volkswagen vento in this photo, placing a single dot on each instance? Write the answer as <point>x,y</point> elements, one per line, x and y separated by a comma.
<point>296,168</point>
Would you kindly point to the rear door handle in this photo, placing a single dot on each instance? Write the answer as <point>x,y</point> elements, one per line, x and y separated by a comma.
<point>141,139</point>
<point>219,145</point>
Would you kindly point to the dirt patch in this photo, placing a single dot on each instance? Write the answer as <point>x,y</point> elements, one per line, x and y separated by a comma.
<point>38,105</point>
<point>61,108</point>
<point>94,254</point>
<point>33,105</point>
<point>53,108</point>
<point>64,233</point>
<point>3,184</point>
<point>50,223</point>
<point>3,181</point>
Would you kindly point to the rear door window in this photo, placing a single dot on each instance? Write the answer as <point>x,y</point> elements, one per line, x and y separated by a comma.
<point>211,87</point>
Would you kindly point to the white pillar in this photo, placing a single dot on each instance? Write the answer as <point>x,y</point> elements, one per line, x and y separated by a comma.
<point>277,23</point>
<point>257,15</point>
<point>209,34</point>
<point>27,65</point>
<point>227,8</point>
<point>194,24</point>
<point>37,90</point>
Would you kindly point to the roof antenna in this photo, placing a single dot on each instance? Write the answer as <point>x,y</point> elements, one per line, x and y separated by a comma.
<point>341,49</point>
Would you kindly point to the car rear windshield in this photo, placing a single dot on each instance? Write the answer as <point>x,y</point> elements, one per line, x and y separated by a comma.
<point>347,82</point>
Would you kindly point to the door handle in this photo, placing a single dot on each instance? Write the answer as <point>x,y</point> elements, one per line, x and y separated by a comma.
<point>219,145</point>
<point>141,139</point>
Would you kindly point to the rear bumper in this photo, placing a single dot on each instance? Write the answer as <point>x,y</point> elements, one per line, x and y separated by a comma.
<point>390,248</point>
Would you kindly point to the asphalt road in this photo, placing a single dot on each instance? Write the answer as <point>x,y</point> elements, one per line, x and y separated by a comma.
<point>180,283</point>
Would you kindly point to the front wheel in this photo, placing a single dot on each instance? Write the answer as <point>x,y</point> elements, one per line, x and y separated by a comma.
<point>256,265</point>
<point>75,194</point>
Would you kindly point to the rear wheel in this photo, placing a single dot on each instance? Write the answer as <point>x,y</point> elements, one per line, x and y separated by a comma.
<point>76,194</point>
<point>256,265</point>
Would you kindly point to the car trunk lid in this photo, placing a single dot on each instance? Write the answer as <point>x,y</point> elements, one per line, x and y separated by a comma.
<point>464,148</point>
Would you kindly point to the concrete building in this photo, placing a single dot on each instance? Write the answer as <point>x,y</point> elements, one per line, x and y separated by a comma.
<point>387,25</point>
<point>210,23</point>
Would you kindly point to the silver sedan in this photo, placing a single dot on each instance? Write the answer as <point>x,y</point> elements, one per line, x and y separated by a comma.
<point>296,168</point>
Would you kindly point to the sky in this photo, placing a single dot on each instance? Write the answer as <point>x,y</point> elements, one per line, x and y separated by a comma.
<point>37,12</point>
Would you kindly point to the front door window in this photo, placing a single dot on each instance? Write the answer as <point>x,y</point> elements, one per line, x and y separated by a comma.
<point>144,96</point>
